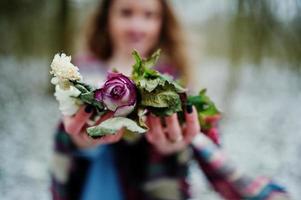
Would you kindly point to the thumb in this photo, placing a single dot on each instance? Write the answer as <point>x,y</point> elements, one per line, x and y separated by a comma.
<point>73,125</point>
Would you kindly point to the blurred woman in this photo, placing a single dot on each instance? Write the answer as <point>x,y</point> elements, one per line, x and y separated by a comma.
<point>155,166</point>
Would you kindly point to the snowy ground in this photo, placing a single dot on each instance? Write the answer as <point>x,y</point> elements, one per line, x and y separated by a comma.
<point>261,126</point>
<point>28,117</point>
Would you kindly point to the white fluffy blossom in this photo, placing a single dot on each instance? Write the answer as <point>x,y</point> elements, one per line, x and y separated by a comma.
<point>63,71</point>
<point>68,105</point>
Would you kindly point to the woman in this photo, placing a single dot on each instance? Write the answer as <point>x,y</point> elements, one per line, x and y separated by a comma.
<point>156,165</point>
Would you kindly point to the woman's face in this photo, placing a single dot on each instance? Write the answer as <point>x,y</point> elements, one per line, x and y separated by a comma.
<point>135,24</point>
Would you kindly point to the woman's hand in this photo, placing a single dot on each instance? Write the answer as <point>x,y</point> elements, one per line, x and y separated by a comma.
<point>76,126</point>
<point>172,137</point>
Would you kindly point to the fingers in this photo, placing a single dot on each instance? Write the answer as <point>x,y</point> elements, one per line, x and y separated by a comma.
<point>174,132</point>
<point>166,140</point>
<point>155,133</point>
<point>73,125</point>
<point>107,138</point>
<point>105,117</point>
<point>192,126</point>
<point>76,127</point>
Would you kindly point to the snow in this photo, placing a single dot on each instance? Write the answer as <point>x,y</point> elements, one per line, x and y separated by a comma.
<point>260,129</point>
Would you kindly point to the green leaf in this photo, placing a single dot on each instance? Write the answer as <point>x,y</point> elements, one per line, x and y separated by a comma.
<point>149,84</point>
<point>160,98</point>
<point>81,88</point>
<point>149,79</point>
<point>203,104</point>
<point>169,79</point>
<point>149,63</point>
<point>163,112</point>
<point>112,125</point>
<point>205,107</point>
<point>142,67</point>
<point>163,101</point>
<point>98,106</point>
<point>87,97</point>
<point>159,92</point>
<point>137,67</point>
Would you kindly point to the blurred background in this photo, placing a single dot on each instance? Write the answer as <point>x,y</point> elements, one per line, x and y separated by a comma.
<point>246,52</point>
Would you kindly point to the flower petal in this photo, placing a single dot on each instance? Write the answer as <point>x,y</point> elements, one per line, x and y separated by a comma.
<point>67,105</point>
<point>54,81</point>
<point>119,93</point>
<point>124,110</point>
<point>98,95</point>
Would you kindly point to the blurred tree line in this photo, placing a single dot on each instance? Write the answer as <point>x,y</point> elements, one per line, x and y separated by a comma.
<point>253,29</point>
<point>257,32</point>
<point>36,27</point>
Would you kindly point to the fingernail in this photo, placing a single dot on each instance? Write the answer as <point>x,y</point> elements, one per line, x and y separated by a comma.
<point>89,109</point>
<point>97,137</point>
<point>188,108</point>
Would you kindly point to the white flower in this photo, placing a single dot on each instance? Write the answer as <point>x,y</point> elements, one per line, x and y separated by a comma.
<point>64,71</point>
<point>68,105</point>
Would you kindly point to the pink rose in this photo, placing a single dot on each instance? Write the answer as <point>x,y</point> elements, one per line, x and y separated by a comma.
<point>118,94</point>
